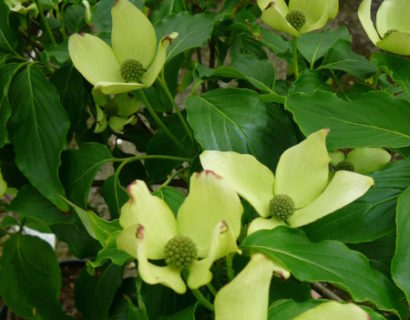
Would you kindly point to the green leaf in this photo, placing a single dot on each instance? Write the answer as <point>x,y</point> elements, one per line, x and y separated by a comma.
<point>30,278</point>
<point>259,73</point>
<point>8,40</point>
<point>167,8</point>
<point>109,252</point>
<point>7,73</point>
<point>398,67</point>
<point>309,82</point>
<point>172,197</point>
<point>36,209</point>
<point>185,314</point>
<point>274,42</point>
<point>94,294</point>
<point>401,259</point>
<point>370,217</point>
<point>356,123</point>
<point>341,57</point>
<point>114,196</point>
<point>193,31</point>
<point>237,120</point>
<point>79,170</point>
<point>329,261</point>
<point>314,45</point>
<point>38,128</point>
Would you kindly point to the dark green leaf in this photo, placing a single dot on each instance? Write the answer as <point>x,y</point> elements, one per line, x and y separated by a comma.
<point>172,197</point>
<point>38,128</point>
<point>167,8</point>
<point>314,45</point>
<point>114,196</point>
<point>358,123</point>
<point>401,259</point>
<point>274,42</point>
<point>237,120</point>
<point>309,82</point>
<point>74,17</point>
<point>8,40</point>
<point>30,278</point>
<point>370,217</point>
<point>329,261</point>
<point>398,67</point>
<point>32,205</point>
<point>79,170</point>
<point>259,73</point>
<point>193,31</point>
<point>288,289</point>
<point>341,57</point>
<point>7,73</point>
<point>94,294</point>
<point>186,314</point>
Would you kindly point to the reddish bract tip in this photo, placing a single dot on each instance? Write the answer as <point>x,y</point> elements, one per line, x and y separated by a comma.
<point>81,34</point>
<point>116,2</point>
<point>208,172</point>
<point>327,130</point>
<point>168,38</point>
<point>223,226</point>
<point>271,4</point>
<point>140,232</point>
<point>129,188</point>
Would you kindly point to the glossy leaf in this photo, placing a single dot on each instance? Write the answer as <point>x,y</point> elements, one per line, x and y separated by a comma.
<point>370,217</point>
<point>356,123</point>
<point>329,261</point>
<point>30,279</point>
<point>114,195</point>
<point>8,39</point>
<point>79,170</point>
<point>94,294</point>
<point>193,31</point>
<point>401,259</point>
<point>314,45</point>
<point>237,120</point>
<point>36,103</point>
<point>341,57</point>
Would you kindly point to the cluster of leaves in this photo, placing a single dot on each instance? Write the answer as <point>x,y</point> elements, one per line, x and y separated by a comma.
<point>50,154</point>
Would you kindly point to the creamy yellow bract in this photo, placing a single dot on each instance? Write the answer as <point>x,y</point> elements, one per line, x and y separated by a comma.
<point>133,38</point>
<point>392,23</point>
<point>316,13</point>
<point>302,174</point>
<point>210,216</point>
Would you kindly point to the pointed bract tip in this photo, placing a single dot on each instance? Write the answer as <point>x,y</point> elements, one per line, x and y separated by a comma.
<point>326,130</point>
<point>270,5</point>
<point>130,186</point>
<point>140,232</point>
<point>207,173</point>
<point>223,226</point>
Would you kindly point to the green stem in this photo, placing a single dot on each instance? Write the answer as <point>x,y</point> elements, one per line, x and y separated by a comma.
<point>211,288</point>
<point>62,23</point>
<point>159,121</point>
<point>164,86</point>
<point>202,300</point>
<point>170,178</point>
<point>295,56</point>
<point>45,22</point>
<point>229,268</point>
<point>141,304</point>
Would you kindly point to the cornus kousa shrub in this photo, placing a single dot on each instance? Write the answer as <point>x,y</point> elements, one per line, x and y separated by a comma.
<point>243,160</point>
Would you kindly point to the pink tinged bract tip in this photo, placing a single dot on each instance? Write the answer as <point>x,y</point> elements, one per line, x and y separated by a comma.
<point>140,232</point>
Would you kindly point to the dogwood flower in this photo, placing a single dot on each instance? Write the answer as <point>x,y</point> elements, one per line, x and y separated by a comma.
<point>360,160</point>
<point>299,193</point>
<point>392,23</point>
<point>133,62</point>
<point>205,229</point>
<point>300,17</point>
<point>247,297</point>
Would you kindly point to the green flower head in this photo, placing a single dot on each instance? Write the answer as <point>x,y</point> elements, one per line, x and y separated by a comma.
<point>300,16</point>
<point>205,229</point>
<point>392,23</point>
<point>299,193</point>
<point>133,62</point>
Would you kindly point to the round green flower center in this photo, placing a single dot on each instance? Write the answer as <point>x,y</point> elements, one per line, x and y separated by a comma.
<point>282,206</point>
<point>389,32</point>
<point>180,252</point>
<point>344,165</point>
<point>296,18</point>
<point>132,71</point>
